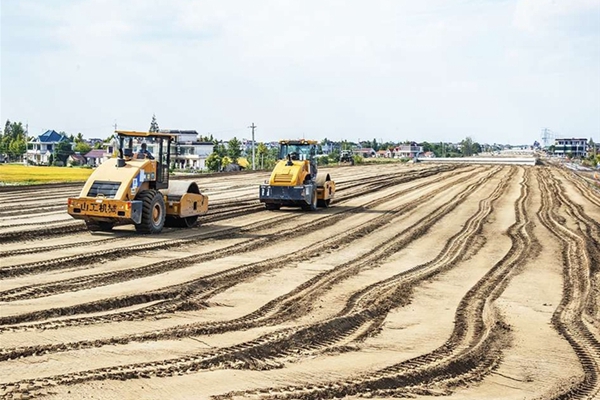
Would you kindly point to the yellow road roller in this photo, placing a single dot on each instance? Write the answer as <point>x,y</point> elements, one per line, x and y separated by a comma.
<point>134,188</point>
<point>295,181</point>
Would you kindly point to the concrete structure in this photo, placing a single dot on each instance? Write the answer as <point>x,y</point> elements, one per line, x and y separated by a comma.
<point>577,147</point>
<point>40,148</point>
<point>483,160</point>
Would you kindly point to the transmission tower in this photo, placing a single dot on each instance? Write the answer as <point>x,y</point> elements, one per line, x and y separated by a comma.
<point>547,137</point>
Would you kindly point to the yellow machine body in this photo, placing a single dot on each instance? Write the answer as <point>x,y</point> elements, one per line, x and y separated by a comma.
<point>132,190</point>
<point>295,180</point>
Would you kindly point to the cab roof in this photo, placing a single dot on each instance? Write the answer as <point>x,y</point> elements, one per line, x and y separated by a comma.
<point>145,134</point>
<point>297,141</point>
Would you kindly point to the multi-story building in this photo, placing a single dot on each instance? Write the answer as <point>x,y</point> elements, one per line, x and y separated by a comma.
<point>408,151</point>
<point>40,148</point>
<point>188,152</point>
<point>576,147</point>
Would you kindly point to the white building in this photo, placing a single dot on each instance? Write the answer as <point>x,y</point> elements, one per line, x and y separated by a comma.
<point>187,152</point>
<point>577,147</point>
<point>408,151</point>
<point>40,148</point>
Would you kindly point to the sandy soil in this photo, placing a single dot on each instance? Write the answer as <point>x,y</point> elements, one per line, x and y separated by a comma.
<point>469,282</point>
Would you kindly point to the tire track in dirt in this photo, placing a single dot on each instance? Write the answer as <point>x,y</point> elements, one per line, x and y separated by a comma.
<point>15,202</point>
<point>218,212</point>
<point>181,294</point>
<point>29,209</point>
<point>592,230</point>
<point>243,204</point>
<point>272,342</point>
<point>568,319</point>
<point>86,259</point>
<point>355,186</point>
<point>473,350</point>
<point>586,190</point>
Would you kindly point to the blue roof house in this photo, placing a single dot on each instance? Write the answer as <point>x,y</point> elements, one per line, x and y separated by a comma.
<point>40,148</point>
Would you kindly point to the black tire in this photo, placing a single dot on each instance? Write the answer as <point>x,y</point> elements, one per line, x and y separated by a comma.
<point>323,203</point>
<point>99,226</point>
<point>272,206</point>
<point>187,222</point>
<point>153,212</point>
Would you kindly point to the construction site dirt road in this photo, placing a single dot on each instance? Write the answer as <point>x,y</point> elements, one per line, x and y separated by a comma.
<point>467,281</point>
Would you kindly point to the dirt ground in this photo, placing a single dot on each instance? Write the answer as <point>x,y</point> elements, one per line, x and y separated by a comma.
<point>469,282</point>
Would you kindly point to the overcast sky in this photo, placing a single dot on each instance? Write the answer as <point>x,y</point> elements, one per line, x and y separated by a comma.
<point>435,70</point>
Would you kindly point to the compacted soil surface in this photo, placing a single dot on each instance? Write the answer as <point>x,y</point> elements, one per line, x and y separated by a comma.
<point>420,281</point>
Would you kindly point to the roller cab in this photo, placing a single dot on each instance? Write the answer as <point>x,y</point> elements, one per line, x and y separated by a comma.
<point>295,181</point>
<point>134,188</point>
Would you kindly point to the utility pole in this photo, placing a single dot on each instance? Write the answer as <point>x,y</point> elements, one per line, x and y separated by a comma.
<point>25,137</point>
<point>253,127</point>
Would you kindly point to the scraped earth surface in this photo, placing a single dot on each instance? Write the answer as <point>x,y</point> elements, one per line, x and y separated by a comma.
<point>468,282</point>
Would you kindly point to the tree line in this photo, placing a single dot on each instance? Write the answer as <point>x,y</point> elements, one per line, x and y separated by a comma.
<point>14,139</point>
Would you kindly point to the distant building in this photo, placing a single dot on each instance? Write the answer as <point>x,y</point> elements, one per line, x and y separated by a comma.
<point>408,151</point>
<point>76,159</point>
<point>187,152</point>
<point>366,152</point>
<point>97,156</point>
<point>41,147</point>
<point>577,147</point>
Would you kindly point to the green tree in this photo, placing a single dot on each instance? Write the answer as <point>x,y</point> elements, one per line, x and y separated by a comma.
<point>213,162</point>
<point>334,156</point>
<point>62,151</point>
<point>17,132</point>
<point>262,153</point>
<point>5,138</point>
<point>375,145</point>
<point>82,148</point>
<point>219,148</point>
<point>13,140</point>
<point>467,146</point>
<point>17,148</point>
<point>427,147</point>
<point>153,124</point>
<point>233,150</point>
<point>6,130</point>
<point>79,138</point>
